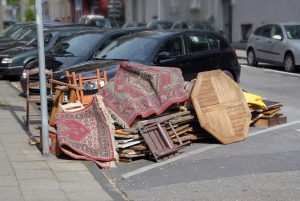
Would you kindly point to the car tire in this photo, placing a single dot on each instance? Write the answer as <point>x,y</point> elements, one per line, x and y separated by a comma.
<point>289,63</point>
<point>251,59</point>
<point>229,74</point>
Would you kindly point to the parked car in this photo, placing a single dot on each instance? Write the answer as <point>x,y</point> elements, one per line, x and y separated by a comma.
<point>191,51</point>
<point>275,43</point>
<point>133,24</point>
<point>98,21</point>
<point>179,25</point>
<point>159,24</point>
<point>16,58</point>
<point>25,34</point>
<point>7,23</point>
<point>201,25</point>
<point>77,48</point>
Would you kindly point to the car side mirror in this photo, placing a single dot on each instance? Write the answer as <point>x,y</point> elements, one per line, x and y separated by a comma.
<point>163,56</point>
<point>277,37</point>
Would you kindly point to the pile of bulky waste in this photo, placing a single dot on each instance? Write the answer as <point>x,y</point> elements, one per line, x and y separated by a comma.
<point>151,112</point>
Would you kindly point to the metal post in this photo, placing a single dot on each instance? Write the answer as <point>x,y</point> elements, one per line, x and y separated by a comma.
<point>158,9</point>
<point>45,134</point>
<point>1,15</point>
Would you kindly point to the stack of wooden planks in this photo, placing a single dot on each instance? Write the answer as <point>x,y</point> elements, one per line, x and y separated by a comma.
<point>270,116</point>
<point>131,144</point>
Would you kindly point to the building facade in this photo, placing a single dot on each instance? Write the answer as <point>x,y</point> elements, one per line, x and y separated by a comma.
<point>236,18</point>
<point>145,10</point>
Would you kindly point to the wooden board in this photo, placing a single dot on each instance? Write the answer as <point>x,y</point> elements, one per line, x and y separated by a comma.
<point>221,106</point>
<point>276,120</point>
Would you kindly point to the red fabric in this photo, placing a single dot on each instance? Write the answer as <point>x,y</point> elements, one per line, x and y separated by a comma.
<point>87,134</point>
<point>137,89</point>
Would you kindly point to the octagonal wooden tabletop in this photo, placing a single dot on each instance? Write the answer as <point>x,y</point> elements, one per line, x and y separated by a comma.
<point>221,106</point>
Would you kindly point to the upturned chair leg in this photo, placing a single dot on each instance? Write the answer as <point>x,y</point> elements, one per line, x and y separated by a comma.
<point>27,114</point>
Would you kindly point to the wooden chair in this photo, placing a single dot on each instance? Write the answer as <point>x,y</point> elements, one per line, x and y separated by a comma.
<point>82,81</point>
<point>60,89</point>
<point>33,84</point>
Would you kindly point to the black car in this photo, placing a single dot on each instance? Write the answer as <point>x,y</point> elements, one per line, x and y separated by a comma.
<point>25,34</point>
<point>78,48</point>
<point>190,50</point>
<point>159,24</point>
<point>16,58</point>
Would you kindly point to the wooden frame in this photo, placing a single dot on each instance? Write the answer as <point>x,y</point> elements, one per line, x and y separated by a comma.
<point>80,81</point>
<point>36,84</point>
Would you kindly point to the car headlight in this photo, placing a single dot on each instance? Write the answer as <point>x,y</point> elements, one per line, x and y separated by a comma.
<point>6,60</point>
<point>24,74</point>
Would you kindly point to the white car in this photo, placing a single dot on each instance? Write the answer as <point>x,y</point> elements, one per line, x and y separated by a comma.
<point>275,43</point>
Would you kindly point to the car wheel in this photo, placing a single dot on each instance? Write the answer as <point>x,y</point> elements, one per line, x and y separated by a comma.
<point>229,74</point>
<point>289,63</point>
<point>251,59</point>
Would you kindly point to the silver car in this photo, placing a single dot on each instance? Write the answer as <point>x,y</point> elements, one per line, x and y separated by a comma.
<point>275,43</point>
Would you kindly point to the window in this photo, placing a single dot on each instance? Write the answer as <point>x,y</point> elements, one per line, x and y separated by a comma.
<point>198,43</point>
<point>213,42</point>
<point>246,30</point>
<point>277,31</point>
<point>173,46</point>
<point>265,31</point>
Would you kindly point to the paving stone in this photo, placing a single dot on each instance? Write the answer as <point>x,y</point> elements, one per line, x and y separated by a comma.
<point>80,186</point>
<point>74,176</point>
<point>45,196</point>
<point>1,147</point>
<point>9,138</point>
<point>34,174</point>
<point>59,166</point>
<point>6,170</point>
<point>9,180</point>
<point>32,165</point>
<point>3,156</point>
<point>90,196</point>
<point>10,194</point>
<point>25,157</point>
<point>20,147</point>
<point>39,185</point>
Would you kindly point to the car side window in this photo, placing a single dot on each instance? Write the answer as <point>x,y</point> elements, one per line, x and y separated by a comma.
<point>277,31</point>
<point>213,42</point>
<point>198,43</point>
<point>173,46</point>
<point>265,31</point>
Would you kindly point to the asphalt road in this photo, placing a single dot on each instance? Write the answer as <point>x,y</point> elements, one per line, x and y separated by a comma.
<point>266,166</point>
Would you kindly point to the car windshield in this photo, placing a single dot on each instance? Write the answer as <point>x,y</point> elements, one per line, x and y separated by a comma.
<point>292,31</point>
<point>29,35</point>
<point>34,42</point>
<point>135,49</point>
<point>78,45</point>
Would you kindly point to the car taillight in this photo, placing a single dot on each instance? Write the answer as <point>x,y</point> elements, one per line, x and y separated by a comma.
<point>234,53</point>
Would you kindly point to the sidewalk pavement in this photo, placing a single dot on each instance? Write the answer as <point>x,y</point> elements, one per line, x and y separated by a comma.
<point>25,174</point>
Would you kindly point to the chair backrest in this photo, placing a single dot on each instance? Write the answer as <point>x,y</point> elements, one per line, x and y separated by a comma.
<point>81,81</point>
<point>33,81</point>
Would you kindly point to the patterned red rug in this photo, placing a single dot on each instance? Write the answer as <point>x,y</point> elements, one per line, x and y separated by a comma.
<point>137,89</point>
<point>88,134</point>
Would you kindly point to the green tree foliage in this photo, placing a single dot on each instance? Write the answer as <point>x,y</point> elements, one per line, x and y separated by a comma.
<point>13,2</point>
<point>29,15</point>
